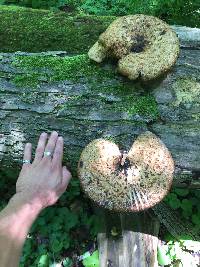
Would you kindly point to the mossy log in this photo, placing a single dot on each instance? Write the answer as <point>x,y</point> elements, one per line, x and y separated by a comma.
<point>43,30</point>
<point>83,101</point>
<point>32,30</point>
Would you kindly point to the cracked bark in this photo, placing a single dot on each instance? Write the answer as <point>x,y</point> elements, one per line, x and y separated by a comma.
<point>25,112</point>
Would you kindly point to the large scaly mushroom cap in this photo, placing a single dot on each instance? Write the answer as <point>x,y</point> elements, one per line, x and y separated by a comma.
<point>132,181</point>
<point>145,46</point>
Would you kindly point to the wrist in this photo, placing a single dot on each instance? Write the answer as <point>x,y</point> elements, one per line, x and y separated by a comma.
<point>20,201</point>
<point>17,218</point>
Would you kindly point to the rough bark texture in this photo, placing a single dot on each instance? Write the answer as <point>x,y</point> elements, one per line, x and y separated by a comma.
<point>83,104</point>
<point>128,240</point>
<point>84,101</point>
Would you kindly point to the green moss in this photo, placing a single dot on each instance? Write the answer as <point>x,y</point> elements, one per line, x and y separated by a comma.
<point>24,29</point>
<point>28,80</point>
<point>112,92</point>
<point>144,106</point>
<point>37,69</point>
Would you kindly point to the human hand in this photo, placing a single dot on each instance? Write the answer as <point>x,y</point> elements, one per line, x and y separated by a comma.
<point>45,180</point>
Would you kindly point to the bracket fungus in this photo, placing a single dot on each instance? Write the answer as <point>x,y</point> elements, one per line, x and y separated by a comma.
<point>145,46</point>
<point>129,182</point>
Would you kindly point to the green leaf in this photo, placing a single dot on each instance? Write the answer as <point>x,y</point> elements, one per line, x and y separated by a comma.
<point>195,201</point>
<point>196,218</point>
<point>163,257</point>
<point>27,247</point>
<point>67,262</point>
<point>197,193</point>
<point>95,224</point>
<point>43,229</point>
<point>66,242</point>
<point>92,261</point>
<point>186,205</point>
<point>182,191</point>
<point>173,201</point>
<point>71,220</point>
<point>41,221</point>
<point>56,226</point>
<point>172,252</point>
<point>56,246</point>
<point>186,214</point>
<point>42,249</point>
<point>50,213</point>
<point>43,261</point>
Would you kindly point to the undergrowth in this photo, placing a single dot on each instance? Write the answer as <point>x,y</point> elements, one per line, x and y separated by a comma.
<point>62,232</point>
<point>184,12</point>
<point>184,252</point>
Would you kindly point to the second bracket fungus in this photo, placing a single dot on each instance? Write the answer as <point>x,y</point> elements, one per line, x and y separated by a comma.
<point>130,182</point>
<point>145,46</point>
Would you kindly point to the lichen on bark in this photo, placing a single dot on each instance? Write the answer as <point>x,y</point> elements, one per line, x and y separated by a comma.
<point>187,91</point>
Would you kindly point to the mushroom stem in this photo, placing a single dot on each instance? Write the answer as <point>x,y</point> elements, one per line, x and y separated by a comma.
<point>97,52</point>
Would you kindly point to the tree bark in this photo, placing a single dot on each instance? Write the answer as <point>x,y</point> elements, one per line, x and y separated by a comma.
<point>127,240</point>
<point>82,114</point>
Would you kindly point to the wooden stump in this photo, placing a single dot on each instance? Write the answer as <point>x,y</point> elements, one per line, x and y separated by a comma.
<point>128,240</point>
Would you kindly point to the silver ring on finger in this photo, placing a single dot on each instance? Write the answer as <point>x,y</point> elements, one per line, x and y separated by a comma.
<point>47,153</point>
<point>26,161</point>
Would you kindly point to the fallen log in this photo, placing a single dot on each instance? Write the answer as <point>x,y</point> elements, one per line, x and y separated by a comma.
<point>84,101</point>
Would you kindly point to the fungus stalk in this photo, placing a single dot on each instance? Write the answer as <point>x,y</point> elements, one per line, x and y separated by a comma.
<point>97,52</point>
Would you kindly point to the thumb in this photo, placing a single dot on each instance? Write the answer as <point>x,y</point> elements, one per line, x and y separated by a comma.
<point>66,177</point>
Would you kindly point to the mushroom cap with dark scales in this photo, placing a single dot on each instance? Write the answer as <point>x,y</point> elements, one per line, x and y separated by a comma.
<point>146,46</point>
<point>130,182</point>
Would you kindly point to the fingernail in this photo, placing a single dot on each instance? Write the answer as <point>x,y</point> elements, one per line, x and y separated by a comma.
<point>54,132</point>
<point>43,134</point>
<point>60,138</point>
<point>28,144</point>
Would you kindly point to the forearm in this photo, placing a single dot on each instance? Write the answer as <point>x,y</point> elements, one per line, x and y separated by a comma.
<point>15,222</point>
<point>39,185</point>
